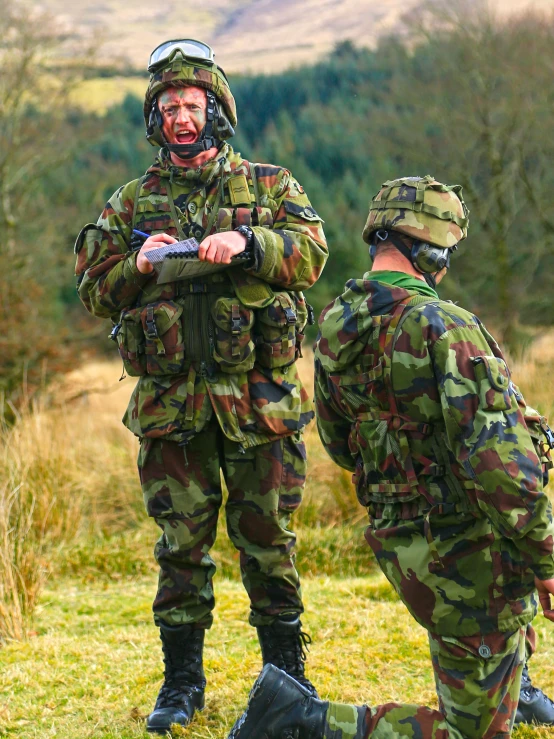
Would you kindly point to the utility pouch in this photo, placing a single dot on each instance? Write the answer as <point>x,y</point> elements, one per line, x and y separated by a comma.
<point>276,326</point>
<point>493,380</point>
<point>130,342</point>
<point>163,338</point>
<point>234,348</point>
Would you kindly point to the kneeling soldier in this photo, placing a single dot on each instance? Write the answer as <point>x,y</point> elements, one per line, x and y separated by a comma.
<point>413,395</point>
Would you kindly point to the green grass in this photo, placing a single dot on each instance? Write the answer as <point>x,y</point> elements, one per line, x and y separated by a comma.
<point>92,668</point>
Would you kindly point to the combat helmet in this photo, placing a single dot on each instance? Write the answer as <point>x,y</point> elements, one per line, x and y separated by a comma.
<point>182,63</point>
<point>432,214</point>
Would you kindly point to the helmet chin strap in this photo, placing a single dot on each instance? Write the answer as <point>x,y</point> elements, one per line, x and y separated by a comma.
<point>429,278</point>
<point>207,138</point>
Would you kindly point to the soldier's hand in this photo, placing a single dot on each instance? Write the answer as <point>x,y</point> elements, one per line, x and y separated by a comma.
<point>154,242</point>
<point>219,248</point>
<point>546,589</point>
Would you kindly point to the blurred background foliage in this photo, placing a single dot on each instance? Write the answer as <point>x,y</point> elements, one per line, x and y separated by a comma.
<point>455,97</point>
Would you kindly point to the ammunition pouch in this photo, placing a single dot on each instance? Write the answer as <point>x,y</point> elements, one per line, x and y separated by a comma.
<point>167,337</point>
<point>279,329</point>
<point>163,334</point>
<point>234,349</point>
<point>150,339</point>
<point>130,342</point>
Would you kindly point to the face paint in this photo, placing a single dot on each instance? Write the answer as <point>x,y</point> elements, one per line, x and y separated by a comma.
<point>183,112</point>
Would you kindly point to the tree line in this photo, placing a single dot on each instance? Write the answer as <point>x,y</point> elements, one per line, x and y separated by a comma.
<point>450,97</point>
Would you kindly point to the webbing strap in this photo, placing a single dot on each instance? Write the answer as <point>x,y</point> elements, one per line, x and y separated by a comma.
<point>402,311</point>
<point>140,183</point>
<point>189,405</point>
<point>215,208</point>
<point>254,179</point>
<point>173,210</point>
<point>443,215</point>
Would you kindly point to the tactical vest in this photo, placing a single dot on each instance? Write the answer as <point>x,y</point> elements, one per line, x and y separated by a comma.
<point>220,322</point>
<point>405,469</point>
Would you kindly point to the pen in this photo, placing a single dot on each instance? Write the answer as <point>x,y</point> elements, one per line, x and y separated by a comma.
<point>141,233</point>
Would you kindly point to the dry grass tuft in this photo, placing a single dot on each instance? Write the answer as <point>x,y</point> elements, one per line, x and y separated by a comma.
<point>70,500</point>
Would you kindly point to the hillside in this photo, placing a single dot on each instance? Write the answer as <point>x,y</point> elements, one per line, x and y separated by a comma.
<point>248,35</point>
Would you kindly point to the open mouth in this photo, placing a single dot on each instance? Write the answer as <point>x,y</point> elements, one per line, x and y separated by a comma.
<point>185,137</point>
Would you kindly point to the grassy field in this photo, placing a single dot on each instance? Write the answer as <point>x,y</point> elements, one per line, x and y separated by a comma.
<point>87,659</point>
<point>92,666</point>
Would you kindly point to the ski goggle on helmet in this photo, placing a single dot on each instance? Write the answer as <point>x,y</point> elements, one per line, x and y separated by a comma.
<point>188,47</point>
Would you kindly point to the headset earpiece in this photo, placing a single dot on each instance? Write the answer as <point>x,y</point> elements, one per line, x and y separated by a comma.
<point>154,129</point>
<point>429,259</point>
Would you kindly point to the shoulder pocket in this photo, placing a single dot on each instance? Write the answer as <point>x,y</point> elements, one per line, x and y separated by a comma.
<point>80,240</point>
<point>493,379</point>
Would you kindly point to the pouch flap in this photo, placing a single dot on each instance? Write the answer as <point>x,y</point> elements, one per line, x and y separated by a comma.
<point>281,312</point>
<point>496,371</point>
<point>165,315</point>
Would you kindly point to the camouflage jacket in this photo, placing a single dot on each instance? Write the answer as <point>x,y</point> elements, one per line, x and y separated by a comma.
<point>418,402</point>
<point>254,405</point>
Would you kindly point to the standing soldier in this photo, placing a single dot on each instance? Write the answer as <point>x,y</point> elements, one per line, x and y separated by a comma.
<point>413,395</point>
<point>218,391</point>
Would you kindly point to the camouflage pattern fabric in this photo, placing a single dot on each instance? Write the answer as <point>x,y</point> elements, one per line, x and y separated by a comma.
<point>290,251</point>
<point>420,207</point>
<point>424,412</point>
<point>182,492</point>
<point>477,695</point>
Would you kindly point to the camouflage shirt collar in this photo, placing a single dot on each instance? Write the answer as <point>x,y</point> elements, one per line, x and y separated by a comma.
<point>203,175</point>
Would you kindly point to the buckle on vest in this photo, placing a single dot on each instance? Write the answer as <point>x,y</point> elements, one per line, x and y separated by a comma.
<point>235,320</point>
<point>151,328</point>
<point>547,431</point>
<point>290,316</point>
<point>115,330</point>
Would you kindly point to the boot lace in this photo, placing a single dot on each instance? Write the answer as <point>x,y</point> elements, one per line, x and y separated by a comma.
<point>182,677</point>
<point>289,653</point>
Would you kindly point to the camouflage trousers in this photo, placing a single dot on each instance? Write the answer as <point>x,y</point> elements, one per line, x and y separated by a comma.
<point>183,493</point>
<point>478,695</point>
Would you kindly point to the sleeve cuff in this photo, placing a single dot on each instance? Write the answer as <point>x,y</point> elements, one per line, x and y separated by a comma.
<point>544,571</point>
<point>264,252</point>
<point>131,272</point>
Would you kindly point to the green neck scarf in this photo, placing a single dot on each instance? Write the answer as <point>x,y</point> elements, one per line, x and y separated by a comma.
<point>401,279</point>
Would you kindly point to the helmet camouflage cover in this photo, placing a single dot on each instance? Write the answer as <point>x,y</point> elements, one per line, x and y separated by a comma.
<point>420,207</point>
<point>183,73</point>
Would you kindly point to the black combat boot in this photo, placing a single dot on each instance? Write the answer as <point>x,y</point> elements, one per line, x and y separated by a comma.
<point>534,706</point>
<point>183,689</point>
<point>280,708</point>
<point>284,645</point>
